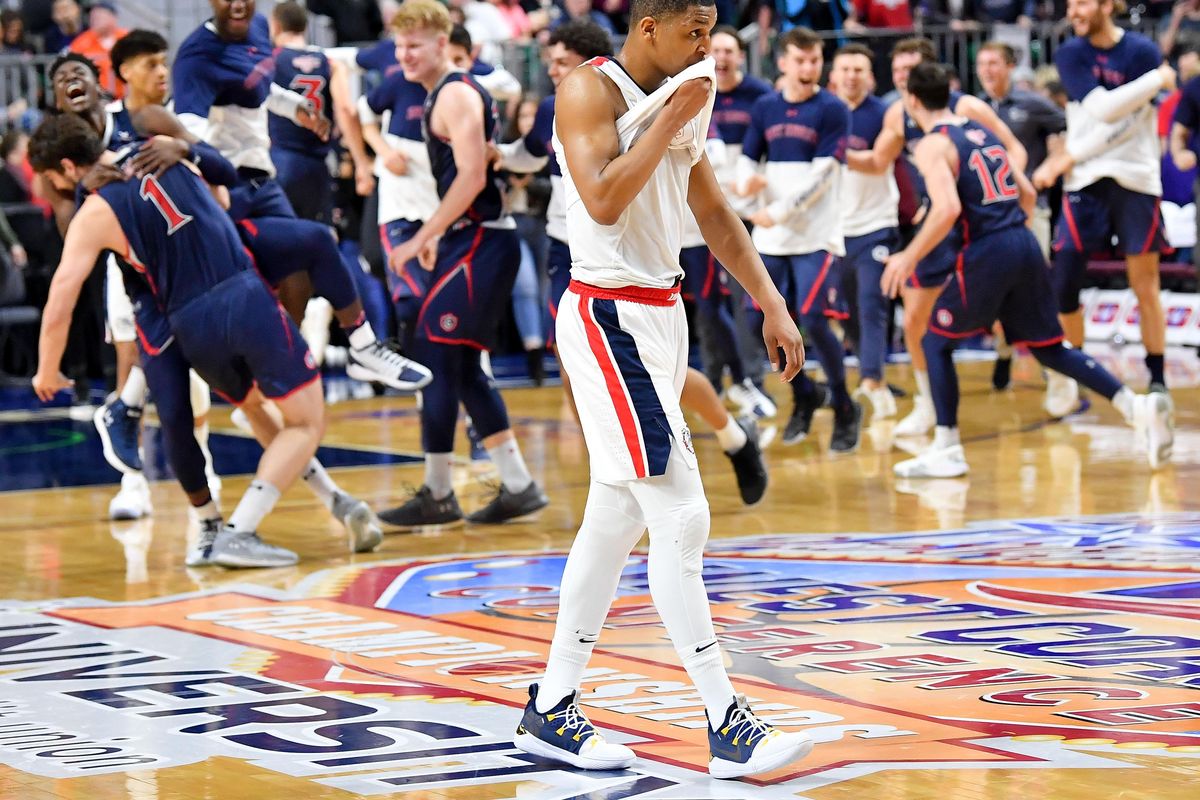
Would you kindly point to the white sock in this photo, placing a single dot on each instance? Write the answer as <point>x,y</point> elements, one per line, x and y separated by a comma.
<point>1123,402</point>
<point>572,651</point>
<point>133,393</point>
<point>208,511</point>
<point>513,472</point>
<point>437,474</point>
<point>706,668</point>
<point>317,479</point>
<point>362,337</point>
<point>256,503</point>
<point>944,437</point>
<point>731,438</point>
<point>922,386</point>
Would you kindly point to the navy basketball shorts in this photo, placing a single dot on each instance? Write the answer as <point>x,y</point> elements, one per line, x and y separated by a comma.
<point>936,268</point>
<point>409,287</point>
<point>258,197</point>
<point>471,286</point>
<point>306,181</point>
<point>809,282</point>
<point>703,276</point>
<point>1001,276</point>
<point>558,270</point>
<point>237,335</point>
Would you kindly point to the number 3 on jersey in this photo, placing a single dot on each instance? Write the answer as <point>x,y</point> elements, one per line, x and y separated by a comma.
<point>991,166</point>
<point>153,191</point>
<point>313,89</point>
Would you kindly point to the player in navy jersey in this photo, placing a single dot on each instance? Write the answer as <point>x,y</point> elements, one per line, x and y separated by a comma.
<point>223,93</point>
<point>800,132</point>
<point>223,318</point>
<point>901,134</point>
<point>1000,275</point>
<point>571,44</point>
<point>870,220</point>
<point>471,244</point>
<point>1112,172</point>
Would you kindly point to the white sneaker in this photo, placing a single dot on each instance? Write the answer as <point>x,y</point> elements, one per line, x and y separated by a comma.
<point>1154,419</point>
<point>919,421</point>
<point>1062,395</point>
<point>883,403</point>
<point>355,515</point>
<point>246,550</point>
<point>948,462</point>
<point>744,745</point>
<point>133,501</point>
<point>379,363</point>
<point>241,421</point>
<point>200,553</point>
<point>751,400</point>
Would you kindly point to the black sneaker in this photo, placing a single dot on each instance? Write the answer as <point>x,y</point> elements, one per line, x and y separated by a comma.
<point>847,425</point>
<point>801,420</point>
<point>535,360</point>
<point>508,505</point>
<point>748,465</point>
<point>1002,374</point>
<point>423,509</point>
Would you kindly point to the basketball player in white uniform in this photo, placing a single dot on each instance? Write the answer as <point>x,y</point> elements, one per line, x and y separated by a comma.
<point>630,162</point>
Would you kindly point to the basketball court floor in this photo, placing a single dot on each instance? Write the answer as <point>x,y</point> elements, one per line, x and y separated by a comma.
<point>1032,630</point>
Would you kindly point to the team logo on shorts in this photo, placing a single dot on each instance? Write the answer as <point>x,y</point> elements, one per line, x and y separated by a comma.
<point>309,361</point>
<point>945,318</point>
<point>685,437</point>
<point>448,322</point>
<point>880,252</point>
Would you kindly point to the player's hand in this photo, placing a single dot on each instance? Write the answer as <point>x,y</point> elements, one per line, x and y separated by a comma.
<point>19,257</point>
<point>898,266</point>
<point>159,154</point>
<point>753,185</point>
<point>396,162</point>
<point>309,119</point>
<point>762,219</point>
<point>1184,160</point>
<point>1050,170</point>
<point>427,258</point>
<point>403,253</point>
<point>494,158</point>
<point>687,101</point>
<point>364,179</point>
<point>780,333</point>
<point>48,383</point>
<point>1169,76</point>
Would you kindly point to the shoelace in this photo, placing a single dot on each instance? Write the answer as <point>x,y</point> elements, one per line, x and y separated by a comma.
<point>208,535</point>
<point>385,351</point>
<point>746,727</point>
<point>572,719</point>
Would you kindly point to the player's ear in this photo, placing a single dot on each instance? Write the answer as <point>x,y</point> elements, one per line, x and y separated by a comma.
<point>648,26</point>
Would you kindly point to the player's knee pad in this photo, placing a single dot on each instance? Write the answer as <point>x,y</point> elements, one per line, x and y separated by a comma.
<point>679,532</point>
<point>198,391</point>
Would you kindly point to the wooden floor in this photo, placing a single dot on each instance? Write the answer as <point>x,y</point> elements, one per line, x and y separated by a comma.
<point>266,684</point>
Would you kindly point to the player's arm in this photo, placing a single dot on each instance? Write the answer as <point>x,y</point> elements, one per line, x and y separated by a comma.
<point>887,148</point>
<point>459,112</point>
<point>95,230</point>
<point>729,242</point>
<point>607,179</point>
<point>1096,140</point>
<point>978,111</point>
<point>1181,154</point>
<point>170,142</point>
<point>299,109</point>
<point>937,160</point>
<point>1079,78</point>
<point>827,161</point>
<point>346,116</point>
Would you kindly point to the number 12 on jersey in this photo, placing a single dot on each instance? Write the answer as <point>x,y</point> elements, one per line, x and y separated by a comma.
<point>991,166</point>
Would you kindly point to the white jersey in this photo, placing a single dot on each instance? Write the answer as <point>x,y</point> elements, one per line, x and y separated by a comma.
<point>413,195</point>
<point>869,202</point>
<point>642,248</point>
<point>1134,163</point>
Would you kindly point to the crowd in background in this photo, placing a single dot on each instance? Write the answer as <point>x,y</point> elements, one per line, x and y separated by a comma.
<point>30,242</point>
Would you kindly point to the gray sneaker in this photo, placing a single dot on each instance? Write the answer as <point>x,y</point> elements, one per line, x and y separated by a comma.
<point>247,550</point>
<point>200,554</point>
<point>356,516</point>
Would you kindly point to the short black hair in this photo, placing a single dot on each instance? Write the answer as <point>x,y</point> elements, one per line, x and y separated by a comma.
<point>583,37</point>
<point>660,9</point>
<point>729,30</point>
<point>136,43</point>
<point>929,82</point>
<point>64,136</point>
<point>291,17</point>
<point>67,58</point>
<point>461,37</point>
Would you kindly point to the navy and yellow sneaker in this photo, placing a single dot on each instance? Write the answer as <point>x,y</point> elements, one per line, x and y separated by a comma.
<point>564,734</point>
<point>745,745</point>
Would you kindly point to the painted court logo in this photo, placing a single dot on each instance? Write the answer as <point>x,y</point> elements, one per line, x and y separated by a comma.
<point>932,651</point>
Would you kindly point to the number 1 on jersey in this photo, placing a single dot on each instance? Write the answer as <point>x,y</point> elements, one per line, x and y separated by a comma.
<point>153,191</point>
<point>994,173</point>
